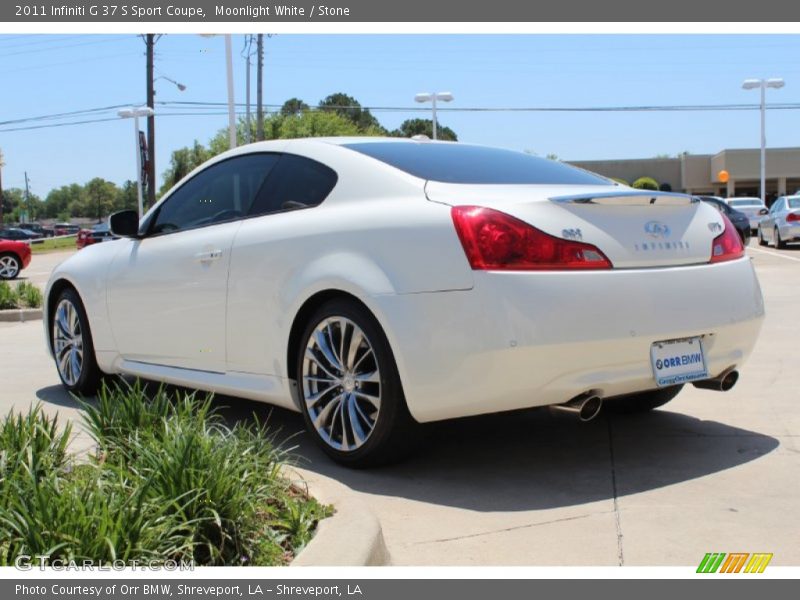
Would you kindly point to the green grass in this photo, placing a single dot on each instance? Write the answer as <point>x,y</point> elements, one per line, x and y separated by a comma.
<point>52,244</point>
<point>170,481</point>
<point>25,295</point>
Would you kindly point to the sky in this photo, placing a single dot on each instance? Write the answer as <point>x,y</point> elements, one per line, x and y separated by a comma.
<point>46,74</point>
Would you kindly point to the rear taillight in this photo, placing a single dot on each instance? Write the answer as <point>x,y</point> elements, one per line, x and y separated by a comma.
<point>495,241</point>
<point>792,217</point>
<point>727,245</point>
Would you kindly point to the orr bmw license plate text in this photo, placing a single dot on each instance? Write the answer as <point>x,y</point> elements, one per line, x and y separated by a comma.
<point>678,361</point>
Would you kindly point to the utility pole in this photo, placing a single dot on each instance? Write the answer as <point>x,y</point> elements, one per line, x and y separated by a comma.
<point>28,215</point>
<point>247,136</point>
<point>2,201</point>
<point>150,41</point>
<point>260,89</point>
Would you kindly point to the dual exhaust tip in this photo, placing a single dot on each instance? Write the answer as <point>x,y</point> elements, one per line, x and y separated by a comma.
<point>587,406</point>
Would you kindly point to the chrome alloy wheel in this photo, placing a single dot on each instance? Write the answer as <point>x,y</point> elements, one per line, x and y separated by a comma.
<point>9,267</point>
<point>341,383</point>
<point>68,342</point>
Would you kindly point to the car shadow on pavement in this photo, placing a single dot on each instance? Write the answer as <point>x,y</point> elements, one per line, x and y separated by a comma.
<point>58,396</point>
<point>524,460</point>
<point>533,459</point>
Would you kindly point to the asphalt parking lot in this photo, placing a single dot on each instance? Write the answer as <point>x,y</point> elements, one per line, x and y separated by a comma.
<point>711,472</point>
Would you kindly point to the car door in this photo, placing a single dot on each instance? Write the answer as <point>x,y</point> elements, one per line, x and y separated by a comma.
<point>167,292</point>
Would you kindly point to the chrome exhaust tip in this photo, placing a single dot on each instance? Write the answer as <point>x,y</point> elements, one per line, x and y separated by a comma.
<point>721,383</point>
<point>586,406</point>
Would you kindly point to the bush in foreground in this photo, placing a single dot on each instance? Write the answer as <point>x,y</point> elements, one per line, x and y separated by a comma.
<point>26,295</point>
<point>170,481</point>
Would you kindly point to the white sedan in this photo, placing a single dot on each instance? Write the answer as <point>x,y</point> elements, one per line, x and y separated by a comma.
<point>374,284</point>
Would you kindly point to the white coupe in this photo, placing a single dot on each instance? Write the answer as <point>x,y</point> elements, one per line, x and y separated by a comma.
<point>374,284</point>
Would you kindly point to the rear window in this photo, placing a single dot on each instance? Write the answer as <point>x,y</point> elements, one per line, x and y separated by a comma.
<point>460,163</point>
<point>793,202</point>
<point>745,203</point>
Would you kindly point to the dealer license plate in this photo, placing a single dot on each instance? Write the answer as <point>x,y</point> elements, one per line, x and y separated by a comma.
<point>678,361</point>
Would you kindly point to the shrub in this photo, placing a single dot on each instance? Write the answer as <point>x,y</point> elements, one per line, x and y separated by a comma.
<point>29,295</point>
<point>645,183</point>
<point>170,481</point>
<point>8,298</point>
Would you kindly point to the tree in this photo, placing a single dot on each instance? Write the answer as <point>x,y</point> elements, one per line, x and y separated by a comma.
<point>12,199</point>
<point>127,197</point>
<point>99,198</point>
<point>412,127</point>
<point>58,201</point>
<point>184,160</point>
<point>293,106</point>
<point>349,108</point>
<point>645,183</point>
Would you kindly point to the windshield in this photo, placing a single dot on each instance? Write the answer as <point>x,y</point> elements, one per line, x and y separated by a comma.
<point>461,163</point>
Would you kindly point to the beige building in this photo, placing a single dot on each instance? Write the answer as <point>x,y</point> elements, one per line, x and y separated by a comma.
<point>699,173</point>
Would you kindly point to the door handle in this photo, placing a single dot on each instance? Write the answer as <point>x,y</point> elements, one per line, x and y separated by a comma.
<point>208,256</point>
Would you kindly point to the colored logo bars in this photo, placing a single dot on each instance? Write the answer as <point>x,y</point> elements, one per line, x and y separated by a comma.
<point>714,562</point>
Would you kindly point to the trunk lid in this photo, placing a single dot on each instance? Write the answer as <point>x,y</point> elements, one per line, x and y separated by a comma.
<point>633,228</point>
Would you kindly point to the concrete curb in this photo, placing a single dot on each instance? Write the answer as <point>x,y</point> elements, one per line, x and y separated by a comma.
<point>20,315</point>
<point>351,537</point>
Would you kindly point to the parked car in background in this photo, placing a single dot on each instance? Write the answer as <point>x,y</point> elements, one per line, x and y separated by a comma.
<point>65,229</point>
<point>15,233</point>
<point>754,208</point>
<point>782,223</point>
<point>98,233</point>
<point>37,228</point>
<point>14,256</point>
<point>373,284</point>
<point>740,220</point>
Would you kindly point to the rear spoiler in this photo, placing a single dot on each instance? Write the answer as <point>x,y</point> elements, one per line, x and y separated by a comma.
<point>628,198</point>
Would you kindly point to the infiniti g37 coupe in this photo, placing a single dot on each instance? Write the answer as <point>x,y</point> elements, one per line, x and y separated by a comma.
<point>375,284</point>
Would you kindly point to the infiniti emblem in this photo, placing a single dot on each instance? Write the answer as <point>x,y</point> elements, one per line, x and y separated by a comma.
<point>656,229</point>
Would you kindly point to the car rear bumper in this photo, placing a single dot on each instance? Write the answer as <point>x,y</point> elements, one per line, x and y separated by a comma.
<point>790,233</point>
<point>520,340</point>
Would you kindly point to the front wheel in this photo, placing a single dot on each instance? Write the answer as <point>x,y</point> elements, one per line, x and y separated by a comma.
<point>73,349</point>
<point>641,401</point>
<point>350,390</point>
<point>9,266</point>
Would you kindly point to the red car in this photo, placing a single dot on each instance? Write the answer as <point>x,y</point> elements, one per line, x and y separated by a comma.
<point>99,233</point>
<point>14,256</point>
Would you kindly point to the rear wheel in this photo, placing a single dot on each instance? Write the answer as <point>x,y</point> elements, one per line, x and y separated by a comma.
<point>779,243</point>
<point>641,401</point>
<point>761,240</point>
<point>350,390</point>
<point>9,266</point>
<point>73,349</point>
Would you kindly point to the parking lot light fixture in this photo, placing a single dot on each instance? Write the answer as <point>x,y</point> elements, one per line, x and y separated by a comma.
<point>763,84</point>
<point>432,98</point>
<point>135,113</point>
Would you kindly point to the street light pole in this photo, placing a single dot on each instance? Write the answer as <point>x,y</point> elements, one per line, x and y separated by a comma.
<point>432,98</point>
<point>231,107</point>
<point>135,113</point>
<point>763,84</point>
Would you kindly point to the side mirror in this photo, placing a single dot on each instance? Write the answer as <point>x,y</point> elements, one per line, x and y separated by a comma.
<point>124,223</point>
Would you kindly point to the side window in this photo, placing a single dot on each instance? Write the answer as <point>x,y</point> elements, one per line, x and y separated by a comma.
<point>295,182</point>
<point>222,192</point>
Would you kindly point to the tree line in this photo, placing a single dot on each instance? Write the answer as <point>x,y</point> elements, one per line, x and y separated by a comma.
<point>335,115</point>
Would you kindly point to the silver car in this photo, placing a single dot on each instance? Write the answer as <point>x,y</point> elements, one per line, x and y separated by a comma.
<point>782,223</point>
<point>754,208</point>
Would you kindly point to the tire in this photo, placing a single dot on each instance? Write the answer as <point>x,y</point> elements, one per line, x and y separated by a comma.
<point>642,401</point>
<point>73,349</point>
<point>761,240</point>
<point>340,395</point>
<point>779,243</point>
<point>10,266</point>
